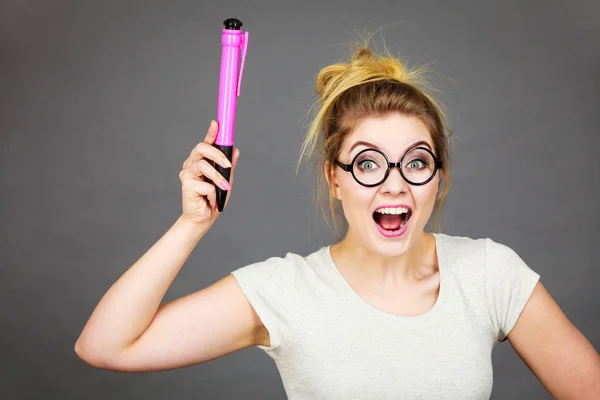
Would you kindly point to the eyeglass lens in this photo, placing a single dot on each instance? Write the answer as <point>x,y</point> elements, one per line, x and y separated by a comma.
<point>370,166</point>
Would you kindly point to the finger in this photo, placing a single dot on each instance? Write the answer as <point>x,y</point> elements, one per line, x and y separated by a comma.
<point>210,138</point>
<point>204,169</point>
<point>205,150</point>
<point>198,188</point>
<point>201,189</point>
<point>211,135</point>
<point>192,172</point>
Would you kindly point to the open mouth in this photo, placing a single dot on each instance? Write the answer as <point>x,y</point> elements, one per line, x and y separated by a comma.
<point>392,218</point>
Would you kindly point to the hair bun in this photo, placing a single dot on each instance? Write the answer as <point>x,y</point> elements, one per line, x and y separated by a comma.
<point>363,63</point>
<point>328,75</point>
<point>361,55</point>
<point>387,67</point>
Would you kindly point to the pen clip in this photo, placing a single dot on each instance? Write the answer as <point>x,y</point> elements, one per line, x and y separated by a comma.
<point>244,50</point>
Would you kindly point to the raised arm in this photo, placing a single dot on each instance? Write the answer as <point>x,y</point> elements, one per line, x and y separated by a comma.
<point>131,331</point>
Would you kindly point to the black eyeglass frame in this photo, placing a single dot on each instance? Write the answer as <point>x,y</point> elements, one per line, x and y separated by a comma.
<point>390,165</point>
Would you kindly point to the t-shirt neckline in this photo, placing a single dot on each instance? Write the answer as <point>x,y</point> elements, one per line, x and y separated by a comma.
<point>355,298</point>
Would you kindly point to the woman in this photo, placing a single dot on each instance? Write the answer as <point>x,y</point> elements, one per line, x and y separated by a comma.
<point>390,311</point>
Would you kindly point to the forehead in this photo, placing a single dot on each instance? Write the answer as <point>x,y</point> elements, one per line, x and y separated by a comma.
<point>392,133</point>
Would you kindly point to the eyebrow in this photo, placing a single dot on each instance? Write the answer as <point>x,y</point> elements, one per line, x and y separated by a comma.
<point>363,143</point>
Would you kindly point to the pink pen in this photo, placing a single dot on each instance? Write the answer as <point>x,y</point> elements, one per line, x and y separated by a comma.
<point>234,42</point>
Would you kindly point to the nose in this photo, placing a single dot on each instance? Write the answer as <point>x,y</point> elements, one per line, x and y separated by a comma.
<point>394,183</point>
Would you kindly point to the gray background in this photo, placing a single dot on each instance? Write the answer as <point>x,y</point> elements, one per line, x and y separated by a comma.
<point>101,102</point>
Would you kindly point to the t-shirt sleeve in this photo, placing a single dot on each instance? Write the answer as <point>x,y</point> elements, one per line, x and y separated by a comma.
<point>269,287</point>
<point>509,282</point>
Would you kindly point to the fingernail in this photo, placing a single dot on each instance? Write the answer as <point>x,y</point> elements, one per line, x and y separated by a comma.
<point>225,185</point>
<point>225,162</point>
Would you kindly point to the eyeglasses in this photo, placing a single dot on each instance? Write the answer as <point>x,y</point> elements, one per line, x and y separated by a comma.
<point>371,167</point>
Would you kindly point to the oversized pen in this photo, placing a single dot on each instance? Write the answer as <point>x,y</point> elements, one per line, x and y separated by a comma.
<point>234,42</point>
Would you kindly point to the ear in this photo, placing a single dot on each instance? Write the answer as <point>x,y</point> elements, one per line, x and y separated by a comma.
<point>333,184</point>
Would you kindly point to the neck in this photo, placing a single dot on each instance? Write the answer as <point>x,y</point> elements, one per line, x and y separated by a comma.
<point>418,262</point>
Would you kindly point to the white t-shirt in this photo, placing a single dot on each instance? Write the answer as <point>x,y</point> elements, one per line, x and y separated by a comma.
<point>329,343</point>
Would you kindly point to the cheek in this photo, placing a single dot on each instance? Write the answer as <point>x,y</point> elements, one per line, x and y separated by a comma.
<point>426,195</point>
<point>355,198</point>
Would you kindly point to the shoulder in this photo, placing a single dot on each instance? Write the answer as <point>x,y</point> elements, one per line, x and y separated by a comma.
<point>273,268</point>
<point>461,248</point>
<point>483,251</point>
<point>286,264</point>
<point>496,252</point>
<point>279,271</point>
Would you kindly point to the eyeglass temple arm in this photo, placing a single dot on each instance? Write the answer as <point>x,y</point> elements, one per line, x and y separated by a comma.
<point>345,167</point>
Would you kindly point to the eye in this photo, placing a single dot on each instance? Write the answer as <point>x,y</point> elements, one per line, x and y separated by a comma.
<point>367,165</point>
<point>417,164</point>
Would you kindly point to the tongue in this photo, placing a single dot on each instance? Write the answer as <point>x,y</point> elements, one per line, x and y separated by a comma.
<point>390,222</point>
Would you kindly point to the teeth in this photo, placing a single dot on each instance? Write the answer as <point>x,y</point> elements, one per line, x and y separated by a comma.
<point>393,210</point>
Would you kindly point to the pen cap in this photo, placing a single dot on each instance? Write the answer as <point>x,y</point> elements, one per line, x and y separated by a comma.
<point>233,23</point>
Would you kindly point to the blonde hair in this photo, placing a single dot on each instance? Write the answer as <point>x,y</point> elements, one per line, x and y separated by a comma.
<point>370,85</point>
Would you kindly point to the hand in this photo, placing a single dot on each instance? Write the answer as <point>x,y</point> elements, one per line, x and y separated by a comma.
<point>199,200</point>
